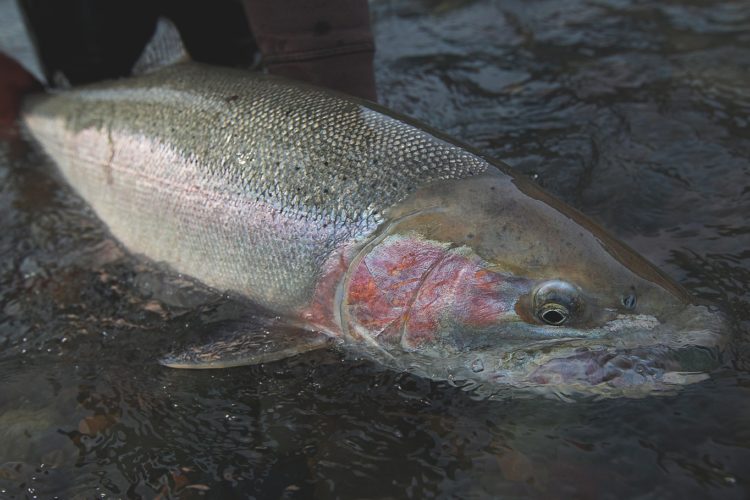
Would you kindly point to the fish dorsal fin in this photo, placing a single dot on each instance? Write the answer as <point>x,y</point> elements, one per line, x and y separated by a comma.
<point>164,49</point>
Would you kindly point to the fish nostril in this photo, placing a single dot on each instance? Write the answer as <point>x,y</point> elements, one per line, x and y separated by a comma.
<point>477,366</point>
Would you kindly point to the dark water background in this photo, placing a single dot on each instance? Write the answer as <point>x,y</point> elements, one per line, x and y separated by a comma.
<point>636,112</point>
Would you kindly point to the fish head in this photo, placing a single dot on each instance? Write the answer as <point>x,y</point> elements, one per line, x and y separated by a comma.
<point>492,279</point>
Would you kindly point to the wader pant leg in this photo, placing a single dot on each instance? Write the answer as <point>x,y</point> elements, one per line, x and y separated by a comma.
<point>325,42</point>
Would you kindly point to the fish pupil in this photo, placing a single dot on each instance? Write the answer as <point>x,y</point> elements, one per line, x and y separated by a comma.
<point>553,317</point>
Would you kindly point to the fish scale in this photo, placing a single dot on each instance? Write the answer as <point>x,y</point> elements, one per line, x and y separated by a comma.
<point>246,182</point>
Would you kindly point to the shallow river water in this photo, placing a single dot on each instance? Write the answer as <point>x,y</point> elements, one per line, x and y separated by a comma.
<point>635,112</point>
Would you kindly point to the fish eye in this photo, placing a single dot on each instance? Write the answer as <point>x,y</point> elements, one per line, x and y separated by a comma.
<point>555,302</point>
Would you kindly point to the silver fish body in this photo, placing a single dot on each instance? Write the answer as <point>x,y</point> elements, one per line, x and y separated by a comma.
<point>345,217</point>
<point>246,182</point>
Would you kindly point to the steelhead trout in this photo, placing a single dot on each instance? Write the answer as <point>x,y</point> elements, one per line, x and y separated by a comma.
<point>358,224</point>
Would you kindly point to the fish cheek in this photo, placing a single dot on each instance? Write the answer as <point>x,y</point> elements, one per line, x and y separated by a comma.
<point>384,285</point>
<point>461,306</point>
<point>418,295</point>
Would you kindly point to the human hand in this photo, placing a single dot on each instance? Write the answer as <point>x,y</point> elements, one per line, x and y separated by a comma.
<point>15,81</point>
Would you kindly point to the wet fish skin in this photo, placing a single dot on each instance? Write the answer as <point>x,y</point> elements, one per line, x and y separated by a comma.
<point>343,216</point>
<point>243,181</point>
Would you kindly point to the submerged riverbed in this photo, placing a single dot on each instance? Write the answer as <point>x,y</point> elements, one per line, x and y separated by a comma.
<point>636,113</point>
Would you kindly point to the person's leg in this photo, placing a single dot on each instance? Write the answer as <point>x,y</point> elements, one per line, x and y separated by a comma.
<point>324,42</point>
<point>90,40</point>
<point>214,32</point>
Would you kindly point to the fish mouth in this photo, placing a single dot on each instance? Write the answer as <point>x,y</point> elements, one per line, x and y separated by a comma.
<point>649,369</point>
<point>633,355</point>
<point>630,356</point>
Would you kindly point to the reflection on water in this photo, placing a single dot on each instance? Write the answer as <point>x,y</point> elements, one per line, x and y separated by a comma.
<point>634,112</point>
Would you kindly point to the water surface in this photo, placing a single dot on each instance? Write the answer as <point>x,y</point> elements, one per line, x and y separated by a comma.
<point>635,112</point>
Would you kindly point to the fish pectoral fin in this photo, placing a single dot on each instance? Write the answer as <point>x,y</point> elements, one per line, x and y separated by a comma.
<point>247,343</point>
